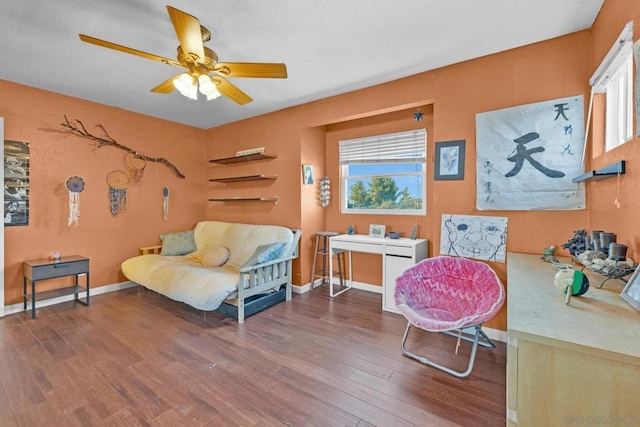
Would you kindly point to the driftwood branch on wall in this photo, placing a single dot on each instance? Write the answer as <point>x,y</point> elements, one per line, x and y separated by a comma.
<point>77,127</point>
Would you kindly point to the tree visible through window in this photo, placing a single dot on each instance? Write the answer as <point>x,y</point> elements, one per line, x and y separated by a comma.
<point>384,173</point>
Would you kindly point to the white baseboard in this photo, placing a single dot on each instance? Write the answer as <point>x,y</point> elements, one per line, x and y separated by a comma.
<point>494,334</point>
<point>355,285</point>
<point>18,308</point>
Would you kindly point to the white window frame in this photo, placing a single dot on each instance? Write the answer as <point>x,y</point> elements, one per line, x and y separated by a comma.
<point>614,79</point>
<point>399,147</point>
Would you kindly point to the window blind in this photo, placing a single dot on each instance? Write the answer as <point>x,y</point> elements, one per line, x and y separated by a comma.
<point>399,147</point>
<point>618,54</point>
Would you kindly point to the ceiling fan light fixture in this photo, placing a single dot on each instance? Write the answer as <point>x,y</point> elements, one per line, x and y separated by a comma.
<point>184,83</point>
<point>192,93</point>
<point>207,87</point>
<point>213,95</point>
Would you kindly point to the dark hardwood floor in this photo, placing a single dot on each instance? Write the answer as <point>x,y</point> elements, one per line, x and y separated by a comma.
<point>137,358</point>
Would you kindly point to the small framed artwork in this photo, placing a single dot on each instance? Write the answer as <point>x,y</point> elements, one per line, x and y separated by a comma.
<point>376,230</point>
<point>631,292</point>
<point>449,160</point>
<point>16,183</point>
<point>307,174</point>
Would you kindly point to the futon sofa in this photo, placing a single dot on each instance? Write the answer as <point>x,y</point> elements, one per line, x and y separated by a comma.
<point>236,269</point>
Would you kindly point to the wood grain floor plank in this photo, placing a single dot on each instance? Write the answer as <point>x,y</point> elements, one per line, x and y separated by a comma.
<point>137,358</point>
<point>7,418</point>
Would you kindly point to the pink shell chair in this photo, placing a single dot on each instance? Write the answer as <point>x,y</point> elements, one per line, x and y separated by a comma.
<point>446,294</point>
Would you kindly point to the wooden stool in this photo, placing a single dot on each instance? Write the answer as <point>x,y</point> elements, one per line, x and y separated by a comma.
<point>322,249</point>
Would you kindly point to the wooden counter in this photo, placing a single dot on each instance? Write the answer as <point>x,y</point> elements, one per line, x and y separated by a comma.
<point>569,364</point>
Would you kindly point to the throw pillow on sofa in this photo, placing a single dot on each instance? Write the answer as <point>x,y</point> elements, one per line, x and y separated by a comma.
<point>264,253</point>
<point>211,255</point>
<point>178,243</point>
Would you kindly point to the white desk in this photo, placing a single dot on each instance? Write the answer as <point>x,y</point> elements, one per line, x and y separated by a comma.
<point>397,255</point>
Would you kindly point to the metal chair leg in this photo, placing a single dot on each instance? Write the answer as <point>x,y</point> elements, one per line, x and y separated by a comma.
<point>460,374</point>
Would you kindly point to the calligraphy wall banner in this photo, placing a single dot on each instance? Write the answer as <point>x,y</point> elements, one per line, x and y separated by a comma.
<point>527,156</point>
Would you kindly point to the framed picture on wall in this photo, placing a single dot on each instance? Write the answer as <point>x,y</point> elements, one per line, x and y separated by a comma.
<point>631,292</point>
<point>307,174</point>
<point>16,183</point>
<point>449,160</point>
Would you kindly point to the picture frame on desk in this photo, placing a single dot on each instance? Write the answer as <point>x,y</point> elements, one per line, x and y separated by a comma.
<point>377,230</point>
<point>631,292</point>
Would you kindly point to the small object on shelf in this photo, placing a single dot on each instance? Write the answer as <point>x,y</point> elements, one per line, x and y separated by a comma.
<point>54,256</point>
<point>250,151</point>
<point>548,254</point>
<point>376,230</point>
<point>577,244</point>
<point>572,282</point>
<point>394,234</point>
<point>608,268</point>
<point>617,251</point>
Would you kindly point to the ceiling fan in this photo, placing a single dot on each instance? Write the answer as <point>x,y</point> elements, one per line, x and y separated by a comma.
<point>204,72</point>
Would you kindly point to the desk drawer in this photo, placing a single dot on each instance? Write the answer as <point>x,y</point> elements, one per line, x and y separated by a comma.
<point>50,271</point>
<point>370,248</point>
<point>399,250</point>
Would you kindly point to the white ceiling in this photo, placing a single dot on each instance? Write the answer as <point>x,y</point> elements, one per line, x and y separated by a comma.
<point>330,46</point>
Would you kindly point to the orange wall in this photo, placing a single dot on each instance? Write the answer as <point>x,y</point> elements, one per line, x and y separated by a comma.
<point>34,116</point>
<point>450,97</point>
<point>279,135</point>
<point>543,71</point>
<point>313,150</point>
<point>604,213</point>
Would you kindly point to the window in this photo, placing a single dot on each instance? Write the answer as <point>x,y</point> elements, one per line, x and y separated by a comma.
<point>384,174</point>
<point>613,79</point>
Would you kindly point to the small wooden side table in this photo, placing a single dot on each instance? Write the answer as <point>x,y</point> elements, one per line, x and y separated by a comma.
<point>43,269</point>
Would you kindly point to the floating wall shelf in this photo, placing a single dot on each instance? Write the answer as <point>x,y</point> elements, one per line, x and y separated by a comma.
<point>245,158</point>
<point>602,173</point>
<point>245,199</point>
<point>245,178</point>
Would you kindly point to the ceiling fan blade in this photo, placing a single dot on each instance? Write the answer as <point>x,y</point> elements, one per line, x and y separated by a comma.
<point>166,86</point>
<point>189,33</point>
<point>129,50</point>
<point>252,69</point>
<point>231,91</point>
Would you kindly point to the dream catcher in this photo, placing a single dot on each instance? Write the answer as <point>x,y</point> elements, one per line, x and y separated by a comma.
<point>135,165</point>
<point>325,192</point>
<point>74,185</point>
<point>165,203</point>
<point>118,182</point>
